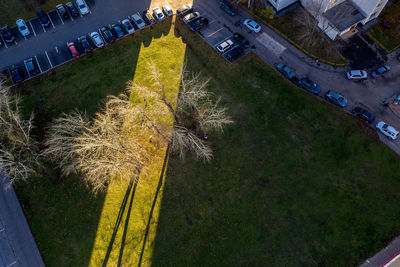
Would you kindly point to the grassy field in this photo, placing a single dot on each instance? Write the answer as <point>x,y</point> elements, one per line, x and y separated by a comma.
<point>387,31</point>
<point>11,10</point>
<point>294,181</point>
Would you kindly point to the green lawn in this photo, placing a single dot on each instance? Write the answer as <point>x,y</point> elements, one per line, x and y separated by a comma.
<point>294,181</point>
<point>11,10</point>
<point>387,31</point>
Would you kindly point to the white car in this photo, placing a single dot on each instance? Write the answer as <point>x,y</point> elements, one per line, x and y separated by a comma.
<point>252,25</point>
<point>158,14</point>
<point>357,75</point>
<point>167,10</point>
<point>128,26</point>
<point>97,40</point>
<point>387,130</point>
<point>23,29</point>
<point>82,7</point>
<point>225,46</point>
<point>137,19</point>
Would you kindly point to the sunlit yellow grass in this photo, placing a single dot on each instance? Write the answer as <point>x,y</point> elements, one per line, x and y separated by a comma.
<point>167,52</point>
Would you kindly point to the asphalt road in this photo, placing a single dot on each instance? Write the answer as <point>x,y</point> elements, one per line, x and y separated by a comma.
<point>17,246</point>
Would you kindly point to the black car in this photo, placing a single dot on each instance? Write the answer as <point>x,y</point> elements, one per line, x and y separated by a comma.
<point>117,30</point>
<point>198,24</point>
<point>72,9</point>
<point>108,36</point>
<point>234,54</point>
<point>16,75</point>
<point>43,18</point>
<point>363,114</point>
<point>62,11</point>
<point>84,43</point>
<point>243,42</point>
<point>7,35</point>
<point>228,8</point>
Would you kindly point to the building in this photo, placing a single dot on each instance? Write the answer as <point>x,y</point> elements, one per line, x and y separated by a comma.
<point>280,5</point>
<point>341,17</point>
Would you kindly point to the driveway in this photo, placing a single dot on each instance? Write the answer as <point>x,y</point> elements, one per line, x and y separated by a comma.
<point>17,246</point>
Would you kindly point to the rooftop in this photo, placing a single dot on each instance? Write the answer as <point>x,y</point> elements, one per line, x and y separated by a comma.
<point>343,15</point>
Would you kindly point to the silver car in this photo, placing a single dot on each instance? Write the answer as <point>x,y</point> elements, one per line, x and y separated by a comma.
<point>97,40</point>
<point>137,19</point>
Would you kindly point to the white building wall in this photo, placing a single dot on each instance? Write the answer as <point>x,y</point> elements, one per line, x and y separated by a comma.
<point>281,4</point>
<point>370,8</point>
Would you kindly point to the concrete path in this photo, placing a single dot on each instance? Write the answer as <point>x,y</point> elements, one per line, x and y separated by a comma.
<point>17,246</point>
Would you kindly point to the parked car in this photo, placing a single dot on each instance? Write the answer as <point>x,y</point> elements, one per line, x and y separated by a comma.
<point>183,10</point>
<point>43,18</point>
<point>72,50</point>
<point>72,9</point>
<point>107,35</point>
<point>7,35</point>
<point>137,19</point>
<point>167,10</point>
<point>336,98</point>
<point>363,114</point>
<point>252,25</point>
<point>85,43</point>
<point>31,67</point>
<point>227,7</point>
<point>158,14</point>
<point>357,75</point>
<point>191,17</point>
<point>241,40</point>
<point>82,7</point>
<point>285,70</point>
<point>117,31</point>
<point>62,11</point>
<point>97,40</point>
<point>16,75</point>
<point>387,130</point>
<point>198,24</point>
<point>128,26</point>
<point>234,54</point>
<point>379,71</point>
<point>225,46</point>
<point>309,85</point>
<point>23,29</point>
<point>148,17</point>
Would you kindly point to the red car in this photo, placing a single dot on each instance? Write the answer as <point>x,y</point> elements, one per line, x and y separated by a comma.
<point>72,49</point>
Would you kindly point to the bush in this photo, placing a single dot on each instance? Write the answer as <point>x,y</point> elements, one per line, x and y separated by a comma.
<point>266,13</point>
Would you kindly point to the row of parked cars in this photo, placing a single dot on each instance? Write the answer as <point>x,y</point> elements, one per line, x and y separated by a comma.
<point>363,75</point>
<point>69,9</point>
<point>337,99</point>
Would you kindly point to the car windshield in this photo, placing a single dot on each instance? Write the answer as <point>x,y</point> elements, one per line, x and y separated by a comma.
<point>341,98</point>
<point>385,126</point>
<point>23,28</point>
<point>139,21</point>
<point>159,15</point>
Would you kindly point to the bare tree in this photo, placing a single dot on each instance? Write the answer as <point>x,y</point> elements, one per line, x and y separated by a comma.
<point>19,151</point>
<point>122,138</point>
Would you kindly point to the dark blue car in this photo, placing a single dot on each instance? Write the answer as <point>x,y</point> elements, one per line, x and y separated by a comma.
<point>310,86</point>
<point>228,8</point>
<point>363,114</point>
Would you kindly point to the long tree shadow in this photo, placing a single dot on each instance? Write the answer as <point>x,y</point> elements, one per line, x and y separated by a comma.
<point>119,218</point>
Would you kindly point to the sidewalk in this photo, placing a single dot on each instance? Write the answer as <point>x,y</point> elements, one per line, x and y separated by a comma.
<point>17,246</point>
<point>385,255</point>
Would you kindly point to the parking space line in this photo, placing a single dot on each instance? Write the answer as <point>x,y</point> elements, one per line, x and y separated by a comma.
<point>25,38</point>
<point>52,24</point>
<point>4,42</point>
<point>32,28</point>
<point>60,17</point>
<point>37,61</point>
<point>56,49</point>
<point>48,58</point>
<point>2,230</point>
<point>12,263</point>
<point>215,32</point>
<point>43,27</point>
